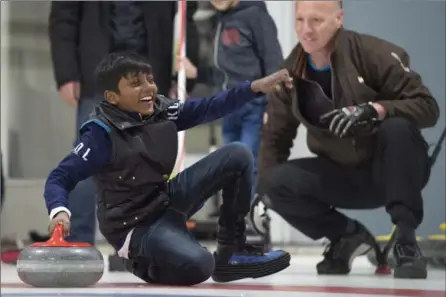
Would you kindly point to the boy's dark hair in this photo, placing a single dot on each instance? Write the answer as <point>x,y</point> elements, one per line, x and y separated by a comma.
<point>115,66</point>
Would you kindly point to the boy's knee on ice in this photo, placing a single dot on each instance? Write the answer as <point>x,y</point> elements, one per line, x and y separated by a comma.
<point>195,268</point>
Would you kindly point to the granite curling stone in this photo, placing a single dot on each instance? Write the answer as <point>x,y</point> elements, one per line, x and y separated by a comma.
<point>60,264</point>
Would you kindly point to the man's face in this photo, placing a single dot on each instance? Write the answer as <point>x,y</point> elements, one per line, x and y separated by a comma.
<point>137,93</point>
<point>222,5</point>
<point>316,23</point>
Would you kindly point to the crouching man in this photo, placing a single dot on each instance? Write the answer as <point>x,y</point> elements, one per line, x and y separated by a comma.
<point>363,108</point>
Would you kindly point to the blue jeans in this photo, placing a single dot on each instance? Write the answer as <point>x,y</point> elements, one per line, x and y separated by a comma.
<point>245,125</point>
<point>82,200</point>
<point>164,251</point>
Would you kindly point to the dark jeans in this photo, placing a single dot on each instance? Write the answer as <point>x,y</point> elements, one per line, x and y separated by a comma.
<point>245,125</point>
<point>305,192</point>
<point>82,200</point>
<point>165,247</point>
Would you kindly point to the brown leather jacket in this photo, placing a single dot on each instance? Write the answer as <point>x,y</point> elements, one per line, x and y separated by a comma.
<point>365,69</point>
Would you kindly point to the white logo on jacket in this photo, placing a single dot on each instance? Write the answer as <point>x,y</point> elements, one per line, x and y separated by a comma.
<point>173,111</point>
<point>395,55</point>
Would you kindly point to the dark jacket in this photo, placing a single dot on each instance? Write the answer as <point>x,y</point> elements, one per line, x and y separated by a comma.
<point>365,69</point>
<point>246,45</point>
<point>131,188</point>
<point>81,35</point>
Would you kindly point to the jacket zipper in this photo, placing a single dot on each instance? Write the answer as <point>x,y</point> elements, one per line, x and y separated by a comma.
<point>333,102</point>
<point>216,47</point>
<point>332,84</point>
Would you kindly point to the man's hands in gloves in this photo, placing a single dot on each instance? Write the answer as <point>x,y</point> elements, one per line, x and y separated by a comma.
<point>348,121</point>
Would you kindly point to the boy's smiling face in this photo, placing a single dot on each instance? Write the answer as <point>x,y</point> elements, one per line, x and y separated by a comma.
<point>137,93</point>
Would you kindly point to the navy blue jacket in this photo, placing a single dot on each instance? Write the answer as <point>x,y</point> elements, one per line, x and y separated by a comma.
<point>246,46</point>
<point>76,166</point>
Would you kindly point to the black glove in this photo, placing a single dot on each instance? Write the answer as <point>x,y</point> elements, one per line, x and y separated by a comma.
<point>344,121</point>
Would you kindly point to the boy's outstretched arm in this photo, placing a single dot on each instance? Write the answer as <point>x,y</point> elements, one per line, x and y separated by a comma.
<point>198,111</point>
<point>91,152</point>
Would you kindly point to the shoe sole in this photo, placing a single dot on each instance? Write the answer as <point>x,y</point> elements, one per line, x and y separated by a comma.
<point>410,272</point>
<point>229,273</point>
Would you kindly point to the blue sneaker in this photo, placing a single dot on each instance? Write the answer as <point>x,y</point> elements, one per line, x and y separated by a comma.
<point>247,262</point>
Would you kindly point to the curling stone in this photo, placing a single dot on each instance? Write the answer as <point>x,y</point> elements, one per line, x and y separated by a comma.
<point>57,263</point>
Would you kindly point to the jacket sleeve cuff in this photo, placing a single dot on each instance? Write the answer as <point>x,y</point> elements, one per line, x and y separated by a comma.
<point>56,210</point>
<point>380,110</point>
<point>247,86</point>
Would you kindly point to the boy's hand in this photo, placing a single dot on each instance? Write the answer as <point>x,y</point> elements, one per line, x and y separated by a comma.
<point>63,219</point>
<point>272,82</point>
<point>191,70</point>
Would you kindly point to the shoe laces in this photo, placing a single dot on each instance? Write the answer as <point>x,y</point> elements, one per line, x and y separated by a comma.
<point>250,249</point>
<point>407,250</point>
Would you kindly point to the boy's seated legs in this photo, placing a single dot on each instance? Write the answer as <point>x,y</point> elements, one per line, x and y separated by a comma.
<point>168,250</point>
<point>165,253</point>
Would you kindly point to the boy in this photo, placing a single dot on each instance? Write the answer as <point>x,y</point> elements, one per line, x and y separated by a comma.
<point>129,146</point>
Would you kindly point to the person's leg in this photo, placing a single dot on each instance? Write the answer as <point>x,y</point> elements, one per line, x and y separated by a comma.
<point>230,133</point>
<point>165,253</point>
<point>402,166</point>
<point>231,128</point>
<point>252,122</point>
<point>305,193</point>
<point>228,169</point>
<point>82,200</point>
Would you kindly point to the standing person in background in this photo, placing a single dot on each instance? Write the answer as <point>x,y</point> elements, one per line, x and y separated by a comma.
<point>81,34</point>
<point>246,48</point>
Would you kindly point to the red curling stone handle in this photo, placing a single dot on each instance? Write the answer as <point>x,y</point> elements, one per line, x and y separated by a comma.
<point>57,240</point>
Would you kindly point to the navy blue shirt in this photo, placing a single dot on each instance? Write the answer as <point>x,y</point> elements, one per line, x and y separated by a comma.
<point>93,149</point>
